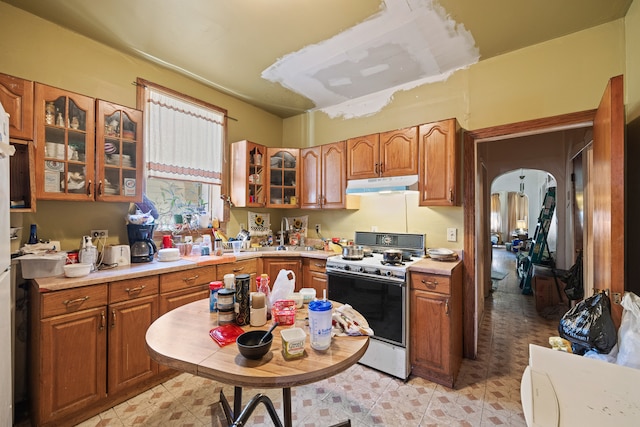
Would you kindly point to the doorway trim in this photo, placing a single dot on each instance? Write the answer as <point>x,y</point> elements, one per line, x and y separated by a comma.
<point>472,177</point>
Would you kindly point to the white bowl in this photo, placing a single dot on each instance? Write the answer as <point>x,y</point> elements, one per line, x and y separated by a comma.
<point>77,270</point>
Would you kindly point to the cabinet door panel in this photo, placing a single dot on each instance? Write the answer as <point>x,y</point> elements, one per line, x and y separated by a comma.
<point>363,157</point>
<point>430,339</point>
<point>437,183</point>
<point>334,175</point>
<point>73,362</point>
<point>65,144</point>
<point>129,361</point>
<point>16,96</point>
<point>272,267</point>
<point>399,152</point>
<point>118,153</point>
<point>311,178</point>
<point>248,174</point>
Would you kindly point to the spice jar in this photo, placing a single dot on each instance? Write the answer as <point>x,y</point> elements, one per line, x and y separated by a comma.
<point>225,299</point>
<point>214,287</point>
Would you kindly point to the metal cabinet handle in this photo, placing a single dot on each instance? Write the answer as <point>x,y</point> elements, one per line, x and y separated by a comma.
<point>376,169</point>
<point>235,270</point>
<point>102,320</point>
<point>135,290</point>
<point>446,307</point>
<point>319,265</point>
<point>89,188</point>
<point>69,302</point>
<point>451,195</point>
<point>188,279</point>
<point>99,188</point>
<point>431,284</point>
<point>113,319</point>
<point>381,168</point>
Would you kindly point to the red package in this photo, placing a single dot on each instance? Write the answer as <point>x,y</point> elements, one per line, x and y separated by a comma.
<point>226,334</point>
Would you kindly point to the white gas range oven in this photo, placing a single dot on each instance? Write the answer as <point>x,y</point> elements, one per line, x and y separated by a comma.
<point>379,292</point>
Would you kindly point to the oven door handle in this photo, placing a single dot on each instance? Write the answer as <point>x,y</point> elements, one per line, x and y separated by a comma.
<point>380,279</point>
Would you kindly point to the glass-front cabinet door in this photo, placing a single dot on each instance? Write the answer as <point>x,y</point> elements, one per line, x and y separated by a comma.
<point>118,153</point>
<point>65,144</point>
<point>283,177</point>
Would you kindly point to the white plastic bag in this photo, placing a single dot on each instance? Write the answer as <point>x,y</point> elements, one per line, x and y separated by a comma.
<point>283,286</point>
<point>629,332</point>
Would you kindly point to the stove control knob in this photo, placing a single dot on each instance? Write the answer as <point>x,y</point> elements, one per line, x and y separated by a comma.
<point>387,273</point>
<point>376,271</point>
<point>358,269</point>
<point>347,268</point>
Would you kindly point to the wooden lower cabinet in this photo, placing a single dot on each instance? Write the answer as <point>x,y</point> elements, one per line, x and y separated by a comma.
<point>273,265</point>
<point>436,326</point>
<point>247,266</point>
<point>313,275</point>
<point>129,361</point>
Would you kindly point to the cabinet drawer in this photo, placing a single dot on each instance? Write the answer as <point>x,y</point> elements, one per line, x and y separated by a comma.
<point>187,278</point>
<point>318,265</point>
<point>72,300</point>
<point>246,266</point>
<point>124,290</point>
<point>431,283</point>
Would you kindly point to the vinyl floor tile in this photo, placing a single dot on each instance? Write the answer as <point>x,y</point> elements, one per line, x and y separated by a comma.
<point>487,391</point>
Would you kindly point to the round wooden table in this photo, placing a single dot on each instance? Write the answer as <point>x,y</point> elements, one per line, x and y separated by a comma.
<point>180,339</point>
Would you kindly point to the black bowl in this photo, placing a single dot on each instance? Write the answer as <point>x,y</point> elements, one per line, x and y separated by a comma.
<point>249,347</point>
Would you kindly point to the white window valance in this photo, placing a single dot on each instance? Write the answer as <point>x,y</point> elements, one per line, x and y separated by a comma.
<point>183,141</point>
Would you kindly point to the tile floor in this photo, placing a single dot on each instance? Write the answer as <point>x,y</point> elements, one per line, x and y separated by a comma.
<point>487,391</point>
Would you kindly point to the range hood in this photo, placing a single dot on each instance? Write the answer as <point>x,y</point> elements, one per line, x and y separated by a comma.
<point>383,185</point>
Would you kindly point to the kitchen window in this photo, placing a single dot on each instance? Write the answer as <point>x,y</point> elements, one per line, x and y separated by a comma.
<point>184,140</point>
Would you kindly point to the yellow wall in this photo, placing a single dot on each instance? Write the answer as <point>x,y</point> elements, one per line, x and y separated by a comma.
<point>560,76</point>
<point>557,77</point>
<point>37,50</point>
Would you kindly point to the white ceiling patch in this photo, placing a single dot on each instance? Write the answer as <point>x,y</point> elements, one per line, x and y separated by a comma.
<point>356,73</point>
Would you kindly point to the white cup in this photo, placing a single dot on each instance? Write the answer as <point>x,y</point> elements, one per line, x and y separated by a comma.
<point>229,281</point>
<point>258,316</point>
<point>236,245</point>
<point>320,312</point>
<point>50,149</point>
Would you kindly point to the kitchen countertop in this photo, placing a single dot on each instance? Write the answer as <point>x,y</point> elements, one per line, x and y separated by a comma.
<point>56,283</point>
<point>431,266</point>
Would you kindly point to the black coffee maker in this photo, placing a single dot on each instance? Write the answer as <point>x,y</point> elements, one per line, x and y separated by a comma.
<point>141,241</point>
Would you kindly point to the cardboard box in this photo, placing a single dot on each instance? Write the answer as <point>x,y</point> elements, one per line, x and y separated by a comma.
<point>544,288</point>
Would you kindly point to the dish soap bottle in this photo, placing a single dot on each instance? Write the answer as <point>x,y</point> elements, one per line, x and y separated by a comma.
<point>88,254</point>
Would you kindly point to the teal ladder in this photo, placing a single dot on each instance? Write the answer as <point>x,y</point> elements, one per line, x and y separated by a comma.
<point>539,245</point>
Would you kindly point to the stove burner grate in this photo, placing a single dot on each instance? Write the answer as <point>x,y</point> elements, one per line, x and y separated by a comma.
<point>391,263</point>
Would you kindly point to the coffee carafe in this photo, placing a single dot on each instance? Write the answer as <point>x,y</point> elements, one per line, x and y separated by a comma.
<point>141,242</point>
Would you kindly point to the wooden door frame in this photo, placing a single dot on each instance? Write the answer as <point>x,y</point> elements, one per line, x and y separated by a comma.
<point>470,167</point>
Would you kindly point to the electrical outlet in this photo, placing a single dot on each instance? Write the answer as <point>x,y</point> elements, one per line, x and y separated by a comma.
<point>318,228</point>
<point>99,234</point>
<point>452,234</point>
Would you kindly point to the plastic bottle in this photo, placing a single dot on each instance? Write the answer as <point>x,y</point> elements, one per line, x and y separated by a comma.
<point>262,285</point>
<point>33,235</point>
<point>214,287</point>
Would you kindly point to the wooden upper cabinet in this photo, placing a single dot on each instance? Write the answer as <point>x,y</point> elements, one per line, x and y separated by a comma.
<point>392,153</point>
<point>16,96</point>
<point>65,144</point>
<point>248,174</point>
<point>363,157</point>
<point>119,153</point>
<point>438,163</point>
<point>398,152</point>
<point>311,178</point>
<point>323,176</point>
<point>283,173</point>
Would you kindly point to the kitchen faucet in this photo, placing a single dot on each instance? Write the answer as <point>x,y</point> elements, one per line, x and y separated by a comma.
<point>284,221</point>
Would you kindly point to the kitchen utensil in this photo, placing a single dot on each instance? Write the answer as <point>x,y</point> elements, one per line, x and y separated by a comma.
<point>392,256</point>
<point>77,270</point>
<point>366,250</point>
<point>268,332</point>
<point>351,252</point>
<point>249,344</point>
